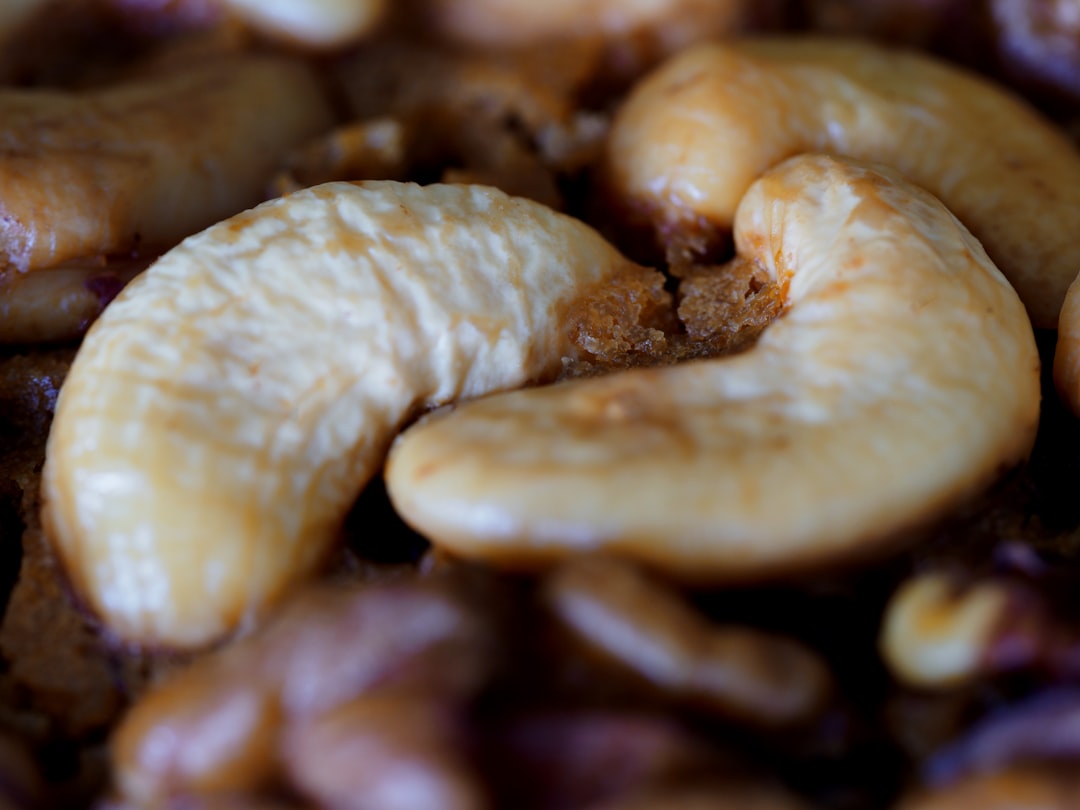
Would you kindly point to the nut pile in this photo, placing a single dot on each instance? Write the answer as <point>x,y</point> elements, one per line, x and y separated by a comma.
<point>483,403</point>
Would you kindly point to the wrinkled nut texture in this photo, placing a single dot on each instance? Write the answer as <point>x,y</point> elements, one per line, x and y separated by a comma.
<point>748,675</point>
<point>145,163</point>
<point>902,377</point>
<point>313,23</point>
<point>222,416</point>
<point>693,136</point>
<point>935,636</point>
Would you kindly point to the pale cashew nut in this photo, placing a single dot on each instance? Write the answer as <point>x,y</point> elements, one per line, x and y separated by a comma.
<point>139,166</point>
<point>222,416</point>
<point>694,135</point>
<point>902,377</point>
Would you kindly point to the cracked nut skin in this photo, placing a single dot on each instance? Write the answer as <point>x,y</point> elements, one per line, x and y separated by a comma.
<point>224,413</point>
<point>146,163</point>
<point>695,134</point>
<point>901,379</point>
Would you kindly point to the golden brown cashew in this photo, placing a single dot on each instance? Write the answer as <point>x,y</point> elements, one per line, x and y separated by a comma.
<point>693,137</point>
<point>224,413</point>
<point>144,164</point>
<point>902,377</point>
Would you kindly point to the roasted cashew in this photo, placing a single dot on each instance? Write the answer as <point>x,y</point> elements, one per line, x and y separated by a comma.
<point>222,416</point>
<point>902,377</point>
<point>139,166</point>
<point>693,136</point>
<point>59,303</point>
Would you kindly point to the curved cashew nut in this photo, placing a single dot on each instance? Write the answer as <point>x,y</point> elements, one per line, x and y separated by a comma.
<point>692,138</point>
<point>902,377</point>
<point>225,411</point>
<point>145,164</point>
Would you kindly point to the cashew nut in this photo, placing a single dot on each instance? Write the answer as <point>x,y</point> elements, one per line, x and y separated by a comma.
<point>59,303</point>
<point>142,165</point>
<point>222,416</point>
<point>902,377</point>
<point>693,136</point>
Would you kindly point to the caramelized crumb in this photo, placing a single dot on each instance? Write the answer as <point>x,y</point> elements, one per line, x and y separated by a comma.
<point>721,310</point>
<point>725,309</point>
<point>621,324</point>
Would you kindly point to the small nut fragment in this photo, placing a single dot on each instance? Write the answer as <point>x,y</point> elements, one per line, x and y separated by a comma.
<point>900,379</point>
<point>1015,185</point>
<point>938,636</point>
<point>224,413</point>
<point>751,676</point>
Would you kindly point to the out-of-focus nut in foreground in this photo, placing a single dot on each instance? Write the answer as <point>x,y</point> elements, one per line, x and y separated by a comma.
<point>901,378</point>
<point>695,134</point>
<point>141,165</point>
<point>222,416</point>
<point>748,675</point>
<point>390,752</point>
<point>220,726</point>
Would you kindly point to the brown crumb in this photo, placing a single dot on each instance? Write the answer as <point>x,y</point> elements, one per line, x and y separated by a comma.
<point>726,308</point>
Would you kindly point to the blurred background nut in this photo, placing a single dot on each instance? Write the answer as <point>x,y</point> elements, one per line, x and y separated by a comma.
<point>124,168</point>
<point>633,33</point>
<point>648,630</point>
<point>92,179</point>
